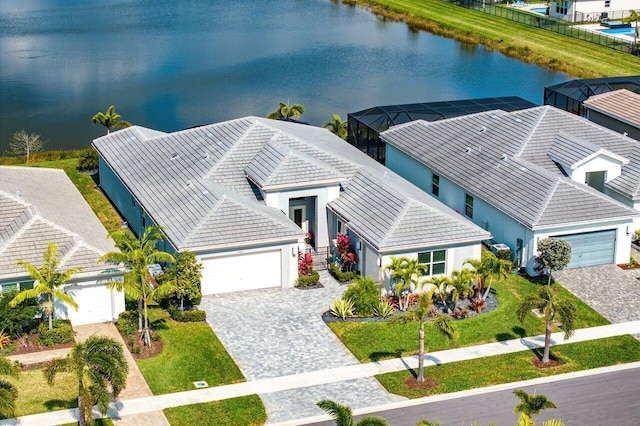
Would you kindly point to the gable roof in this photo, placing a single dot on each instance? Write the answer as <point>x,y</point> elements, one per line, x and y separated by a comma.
<point>39,206</point>
<point>503,159</point>
<point>203,184</point>
<point>572,152</point>
<point>621,104</point>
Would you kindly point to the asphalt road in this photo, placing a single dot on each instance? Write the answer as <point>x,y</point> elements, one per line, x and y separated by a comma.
<point>611,399</point>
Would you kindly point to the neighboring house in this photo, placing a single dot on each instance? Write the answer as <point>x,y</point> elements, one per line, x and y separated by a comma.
<point>591,10</point>
<point>618,110</point>
<point>41,206</point>
<point>521,176</point>
<point>243,194</point>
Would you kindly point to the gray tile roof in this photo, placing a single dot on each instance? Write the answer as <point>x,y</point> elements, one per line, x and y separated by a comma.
<point>199,183</point>
<point>622,104</point>
<point>38,206</point>
<point>503,158</point>
<point>570,151</point>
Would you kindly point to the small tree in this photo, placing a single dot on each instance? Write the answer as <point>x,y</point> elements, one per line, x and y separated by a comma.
<point>25,143</point>
<point>346,252</point>
<point>532,404</point>
<point>47,281</point>
<point>336,126</point>
<point>554,254</point>
<point>405,273</point>
<point>110,119</point>
<point>8,391</point>
<point>88,159</point>
<point>343,416</point>
<point>285,111</point>
<point>99,364</point>
<point>185,277</point>
<point>15,321</point>
<point>552,307</point>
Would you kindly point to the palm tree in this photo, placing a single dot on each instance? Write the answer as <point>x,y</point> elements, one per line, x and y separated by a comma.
<point>8,392</point>
<point>532,404</point>
<point>405,272</point>
<point>525,420</point>
<point>285,111</point>
<point>462,280</point>
<point>481,269</point>
<point>634,16</point>
<point>495,268</point>
<point>442,323</point>
<point>110,119</point>
<point>547,302</point>
<point>336,126</point>
<point>443,289</point>
<point>47,279</point>
<point>137,254</point>
<point>99,363</point>
<point>344,417</point>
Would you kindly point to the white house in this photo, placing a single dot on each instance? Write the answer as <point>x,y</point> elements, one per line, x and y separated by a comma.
<point>41,206</point>
<point>527,175</point>
<point>243,194</point>
<point>591,10</point>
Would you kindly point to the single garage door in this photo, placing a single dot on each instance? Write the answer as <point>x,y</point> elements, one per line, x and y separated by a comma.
<point>95,304</point>
<point>241,272</point>
<point>591,248</point>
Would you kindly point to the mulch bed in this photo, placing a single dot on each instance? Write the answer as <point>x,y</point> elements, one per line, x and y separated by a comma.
<point>310,287</point>
<point>551,364</point>
<point>145,351</point>
<point>626,266</point>
<point>32,345</point>
<point>412,383</point>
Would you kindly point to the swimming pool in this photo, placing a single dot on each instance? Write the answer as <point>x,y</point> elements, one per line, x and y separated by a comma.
<point>619,31</point>
<point>540,10</point>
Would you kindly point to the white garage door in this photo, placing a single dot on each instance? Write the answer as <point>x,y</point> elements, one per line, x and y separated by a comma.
<point>591,248</point>
<point>241,272</point>
<point>94,304</point>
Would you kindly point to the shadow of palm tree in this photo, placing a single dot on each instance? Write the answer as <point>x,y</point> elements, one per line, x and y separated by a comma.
<point>54,404</point>
<point>377,356</point>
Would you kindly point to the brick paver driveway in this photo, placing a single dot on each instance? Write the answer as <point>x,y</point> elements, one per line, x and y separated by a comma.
<point>278,332</point>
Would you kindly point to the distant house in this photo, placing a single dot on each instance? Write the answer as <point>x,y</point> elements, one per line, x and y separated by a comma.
<point>527,175</point>
<point>618,110</point>
<point>591,10</point>
<point>40,206</point>
<point>244,194</point>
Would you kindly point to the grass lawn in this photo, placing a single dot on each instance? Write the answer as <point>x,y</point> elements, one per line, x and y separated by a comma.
<point>372,341</point>
<point>242,411</point>
<point>36,396</point>
<point>561,53</point>
<point>515,367</point>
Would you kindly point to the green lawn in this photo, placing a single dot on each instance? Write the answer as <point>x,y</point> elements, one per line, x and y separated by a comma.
<point>372,341</point>
<point>561,53</point>
<point>242,411</point>
<point>515,367</point>
<point>36,396</point>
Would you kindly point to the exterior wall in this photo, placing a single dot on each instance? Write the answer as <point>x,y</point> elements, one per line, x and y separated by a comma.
<point>122,199</point>
<point>96,302</point>
<point>323,195</point>
<point>593,6</point>
<point>613,124</point>
<point>598,164</point>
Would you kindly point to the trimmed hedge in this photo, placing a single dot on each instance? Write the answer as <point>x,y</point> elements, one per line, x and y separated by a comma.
<point>128,322</point>
<point>341,276</point>
<point>193,315</point>
<point>308,280</point>
<point>62,332</point>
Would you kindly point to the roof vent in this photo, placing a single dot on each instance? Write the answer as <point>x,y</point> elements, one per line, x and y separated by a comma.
<point>205,192</point>
<point>210,134</point>
<point>504,156</point>
<point>219,143</point>
<point>18,194</point>
<point>625,134</point>
<point>467,150</point>
<point>493,116</point>
<point>174,155</point>
<point>518,120</point>
<point>524,169</point>
<point>133,138</point>
<point>224,196</point>
<point>206,155</point>
<point>188,183</point>
<point>386,174</point>
<point>483,129</point>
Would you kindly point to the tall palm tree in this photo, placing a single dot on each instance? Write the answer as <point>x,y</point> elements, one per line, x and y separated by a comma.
<point>285,111</point>
<point>8,392</point>
<point>110,119</point>
<point>137,254</point>
<point>532,404</point>
<point>336,126</point>
<point>442,323</point>
<point>343,415</point>
<point>99,363</point>
<point>547,302</point>
<point>405,272</point>
<point>48,279</point>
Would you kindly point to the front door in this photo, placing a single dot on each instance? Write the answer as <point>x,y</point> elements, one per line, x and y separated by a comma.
<point>298,214</point>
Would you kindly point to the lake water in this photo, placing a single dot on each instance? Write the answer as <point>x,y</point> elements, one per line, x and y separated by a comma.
<point>170,65</point>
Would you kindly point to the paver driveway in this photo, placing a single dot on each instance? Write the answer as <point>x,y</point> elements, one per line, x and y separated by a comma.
<point>277,332</point>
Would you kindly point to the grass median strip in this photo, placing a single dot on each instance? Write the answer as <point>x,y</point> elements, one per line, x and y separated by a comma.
<point>247,410</point>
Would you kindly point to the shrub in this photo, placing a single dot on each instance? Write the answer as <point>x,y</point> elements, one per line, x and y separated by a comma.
<point>305,264</point>
<point>88,159</point>
<point>478,304</point>
<point>128,322</point>
<point>340,275</point>
<point>632,262</point>
<point>193,315</point>
<point>186,273</point>
<point>342,308</point>
<point>62,332</point>
<point>364,292</point>
<point>308,280</point>
<point>384,309</point>
<point>19,320</point>
<point>346,252</point>
<point>636,235</point>
<point>4,339</point>
<point>504,254</point>
<point>460,314</point>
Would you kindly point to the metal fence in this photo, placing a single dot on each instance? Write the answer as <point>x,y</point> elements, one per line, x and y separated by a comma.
<point>547,23</point>
<point>321,257</point>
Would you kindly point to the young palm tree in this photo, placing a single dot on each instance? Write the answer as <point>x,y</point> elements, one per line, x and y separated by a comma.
<point>481,270</point>
<point>99,363</point>
<point>110,120</point>
<point>443,289</point>
<point>343,415</point>
<point>285,111</point>
<point>462,280</point>
<point>532,404</point>
<point>495,268</point>
<point>337,126</point>
<point>442,323</point>
<point>137,254</point>
<point>547,302</point>
<point>8,392</point>
<point>47,280</point>
<point>405,272</point>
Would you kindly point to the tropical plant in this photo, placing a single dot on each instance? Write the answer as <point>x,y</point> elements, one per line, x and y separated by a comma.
<point>88,159</point>
<point>25,143</point>
<point>551,306</point>
<point>554,254</point>
<point>342,308</point>
<point>16,321</point>
<point>478,304</point>
<point>532,404</point>
<point>364,292</point>
<point>495,268</point>
<point>8,391</point>
<point>110,119</point>
<point>383,309</point>
<point>185,276</point>
<point>442,323</point>
<point>99,364</point>
<point>343,415</point>
<point>138,254</point>
<point>405,273</point>
<point>305,263</point>
<point>443,289</point>
<point>481,268</point>
<point>463,280</point>
<point>525,420</point>
<point>336,126</point>
<point>285,111</point>
<point>5,339</point>
<point>346,252</point>
<point>47,282</point>
<point>633,17</point>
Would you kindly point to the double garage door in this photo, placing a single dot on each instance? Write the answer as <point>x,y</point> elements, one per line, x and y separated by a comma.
<point>239,272</point>
<point>591,248</point>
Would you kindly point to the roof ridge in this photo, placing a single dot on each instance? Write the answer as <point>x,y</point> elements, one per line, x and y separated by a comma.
<point>398,219</point>
<point>237,143</point>
<point>18,233</point>
<point>533,129</point>
<point>546,203</point>
<point>586,188</point>
<point>206,217</point>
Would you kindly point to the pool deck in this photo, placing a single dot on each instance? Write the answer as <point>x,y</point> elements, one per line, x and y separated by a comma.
<point>596,27</point>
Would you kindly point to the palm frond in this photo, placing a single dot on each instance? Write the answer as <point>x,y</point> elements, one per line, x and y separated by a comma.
<point>8,397</point>
<point>56,366</point>
<point>341,413</point>
<point>8,368</point>
<point>372,421</point>
<point>446,327</point>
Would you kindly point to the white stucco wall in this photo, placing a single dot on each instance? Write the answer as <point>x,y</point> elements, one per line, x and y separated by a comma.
<point>612,168</point>
<point>594,6</point>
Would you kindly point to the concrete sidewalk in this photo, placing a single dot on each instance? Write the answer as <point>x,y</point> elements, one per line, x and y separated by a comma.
<point>333,375</point>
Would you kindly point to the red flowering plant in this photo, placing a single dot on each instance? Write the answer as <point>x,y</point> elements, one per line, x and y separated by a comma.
<point>346,252</point>
<point>305,264</point>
